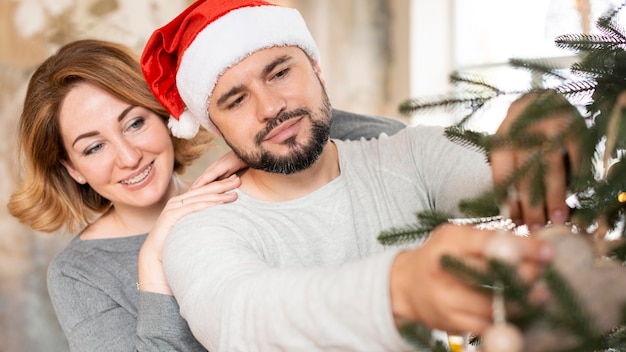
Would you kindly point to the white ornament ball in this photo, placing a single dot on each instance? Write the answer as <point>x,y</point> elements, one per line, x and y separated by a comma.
<point>503,247</point>
<point>502,338</point>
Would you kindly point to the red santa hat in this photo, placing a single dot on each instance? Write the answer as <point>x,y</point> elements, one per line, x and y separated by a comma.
<point>183,59</point>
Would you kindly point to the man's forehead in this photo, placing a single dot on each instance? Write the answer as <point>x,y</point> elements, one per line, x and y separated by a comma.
<point>260,60</point>
<point>267,55</point>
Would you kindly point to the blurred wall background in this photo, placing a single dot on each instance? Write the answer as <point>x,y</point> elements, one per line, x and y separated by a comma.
<point>364,45</point>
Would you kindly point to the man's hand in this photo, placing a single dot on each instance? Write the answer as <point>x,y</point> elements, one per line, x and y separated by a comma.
<point>560,161</point>
<point>423,291</point>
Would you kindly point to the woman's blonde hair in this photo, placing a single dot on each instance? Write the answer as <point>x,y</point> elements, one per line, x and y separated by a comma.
<point>48,199</point>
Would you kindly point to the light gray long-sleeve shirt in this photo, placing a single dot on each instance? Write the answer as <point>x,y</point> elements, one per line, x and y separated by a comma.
<point>309,274</point>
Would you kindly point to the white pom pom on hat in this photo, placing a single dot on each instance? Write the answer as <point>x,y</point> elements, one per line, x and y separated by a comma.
<point>185,126</point>
<point>183,59</point>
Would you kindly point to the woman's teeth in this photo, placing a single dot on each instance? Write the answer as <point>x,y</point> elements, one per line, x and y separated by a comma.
<point>139,177</point>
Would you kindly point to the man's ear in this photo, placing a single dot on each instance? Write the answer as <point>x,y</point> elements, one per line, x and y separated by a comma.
<point>318,70</point>
<point>77,176</point>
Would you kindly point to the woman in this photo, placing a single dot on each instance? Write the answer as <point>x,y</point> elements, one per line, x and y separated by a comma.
<point>99,160</point>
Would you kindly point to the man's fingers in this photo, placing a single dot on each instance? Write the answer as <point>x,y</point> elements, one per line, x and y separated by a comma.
<point>473,317</point>
<point>502,167</point>
<point>556,188</point>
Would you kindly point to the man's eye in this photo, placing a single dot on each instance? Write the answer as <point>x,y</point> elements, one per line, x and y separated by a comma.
<point>281,73</point>
<point>236,102</point>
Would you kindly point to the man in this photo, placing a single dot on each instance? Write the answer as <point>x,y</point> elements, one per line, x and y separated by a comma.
<point>294,263</point>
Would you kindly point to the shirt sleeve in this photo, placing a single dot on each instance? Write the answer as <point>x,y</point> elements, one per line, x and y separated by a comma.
<point>233,300</point>
<point>160,326</point>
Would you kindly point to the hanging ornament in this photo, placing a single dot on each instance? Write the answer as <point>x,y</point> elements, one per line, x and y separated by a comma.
<point>502,336</point>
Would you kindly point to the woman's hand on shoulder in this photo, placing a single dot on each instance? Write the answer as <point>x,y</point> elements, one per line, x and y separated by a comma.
<point>227,165</point>
<point>150,267</point>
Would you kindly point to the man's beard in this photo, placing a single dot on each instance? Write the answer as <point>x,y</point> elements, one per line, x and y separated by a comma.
<point>301,156</point>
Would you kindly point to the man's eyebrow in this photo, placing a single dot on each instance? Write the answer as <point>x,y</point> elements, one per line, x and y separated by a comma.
<point>272,65</point>
<point>267,70</point>
<point>230,93</point>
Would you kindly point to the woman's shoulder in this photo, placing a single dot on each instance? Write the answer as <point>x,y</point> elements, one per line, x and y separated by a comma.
<point>81,252</point>
<point>94,260</point>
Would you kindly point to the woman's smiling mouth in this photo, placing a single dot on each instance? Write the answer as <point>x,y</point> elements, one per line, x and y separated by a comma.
<point>138,178</point>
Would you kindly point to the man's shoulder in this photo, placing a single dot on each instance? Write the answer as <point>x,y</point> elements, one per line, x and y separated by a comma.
<point>219,215</point>
<point>409,134</point>
<point>352,126</point>
<point>401,149</point>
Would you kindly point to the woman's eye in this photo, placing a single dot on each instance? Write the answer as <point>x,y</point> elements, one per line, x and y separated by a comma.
<point>137,123</point>
<point>93,149</point>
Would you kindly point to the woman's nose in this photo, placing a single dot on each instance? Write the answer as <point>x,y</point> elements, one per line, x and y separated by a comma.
<point>128,155</point>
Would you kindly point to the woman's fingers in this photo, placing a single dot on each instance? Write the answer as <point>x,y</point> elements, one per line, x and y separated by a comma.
<point>216,192</point>
<point>225,166</point>
<point>150,268</point>
<point>201,201</point>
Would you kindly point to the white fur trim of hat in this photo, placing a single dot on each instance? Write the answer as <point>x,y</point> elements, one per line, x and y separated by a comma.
<point>228,40</point>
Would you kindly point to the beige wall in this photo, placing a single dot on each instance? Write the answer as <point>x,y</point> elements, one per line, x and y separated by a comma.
<point>364,46</point>
<point>364,61</point>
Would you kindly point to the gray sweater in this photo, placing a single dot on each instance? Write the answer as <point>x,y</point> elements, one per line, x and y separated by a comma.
<point>92,284</point>
<point>309,274</point>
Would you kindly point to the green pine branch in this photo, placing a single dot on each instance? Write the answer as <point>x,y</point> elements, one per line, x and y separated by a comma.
<point>426,223</point>
<point>592,92</point>
<point>541,66</point>
<point>480,142</point>
<point>586,42</point>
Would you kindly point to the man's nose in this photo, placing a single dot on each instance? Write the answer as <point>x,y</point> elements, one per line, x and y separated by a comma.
<point>271,104</point>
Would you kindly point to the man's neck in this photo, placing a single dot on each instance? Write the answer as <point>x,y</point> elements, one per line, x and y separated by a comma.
<point>278,187</point>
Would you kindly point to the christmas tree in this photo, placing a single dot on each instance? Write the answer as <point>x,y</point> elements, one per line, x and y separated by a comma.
<point>587,283</point>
